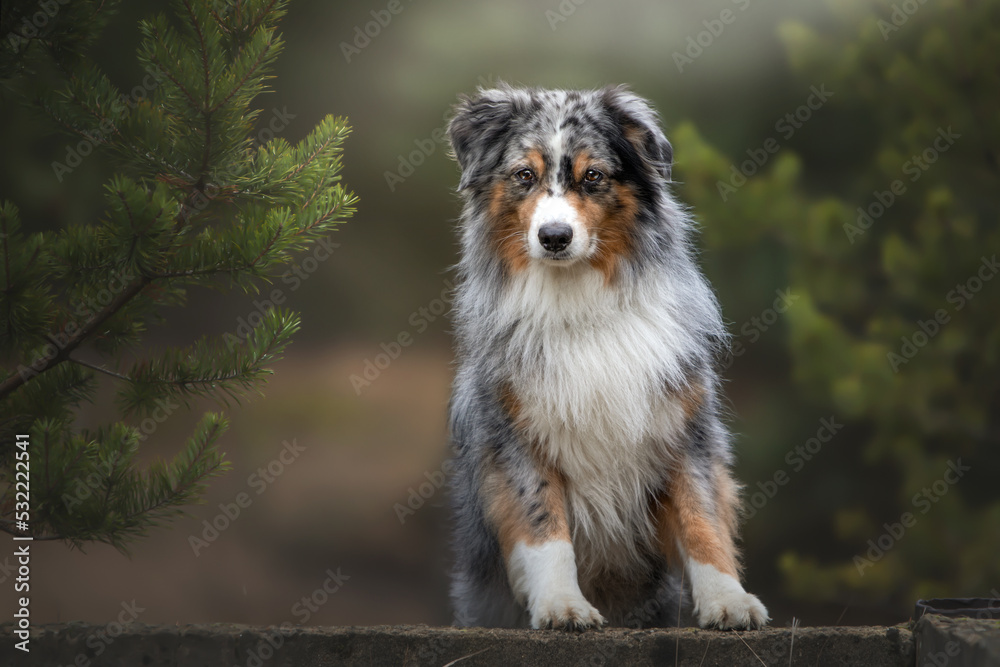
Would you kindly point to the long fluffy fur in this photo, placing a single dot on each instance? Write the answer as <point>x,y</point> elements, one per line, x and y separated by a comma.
<point>595,373</point>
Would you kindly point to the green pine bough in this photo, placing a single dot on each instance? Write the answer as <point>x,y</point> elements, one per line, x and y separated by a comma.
<point>195,203</point>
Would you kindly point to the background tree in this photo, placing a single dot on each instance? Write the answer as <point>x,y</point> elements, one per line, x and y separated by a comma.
<point>896,330</point>
<point>196,203</point>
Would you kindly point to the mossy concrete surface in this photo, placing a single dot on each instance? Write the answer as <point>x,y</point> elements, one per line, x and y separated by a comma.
<point>935,641</point>
<point>83,645</point>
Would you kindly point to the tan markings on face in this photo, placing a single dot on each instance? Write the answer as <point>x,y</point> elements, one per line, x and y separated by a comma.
<point>580,165</point>
<point>510,225</point>
<point>532,513</point>
<point>536,162</point>
<point>511,216</point>
<point>611,216</point>
<point>683,518</point>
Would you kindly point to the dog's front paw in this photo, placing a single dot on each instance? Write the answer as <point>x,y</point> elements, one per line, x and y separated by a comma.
<point>567,611</point>
<point>720,601</point>
<point>734,609</point>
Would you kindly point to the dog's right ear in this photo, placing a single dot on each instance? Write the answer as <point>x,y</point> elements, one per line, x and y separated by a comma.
<point>478,129</point>
<point>640,127</point>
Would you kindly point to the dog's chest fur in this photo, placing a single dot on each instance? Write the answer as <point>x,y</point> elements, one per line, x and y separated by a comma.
<point>592,370</point>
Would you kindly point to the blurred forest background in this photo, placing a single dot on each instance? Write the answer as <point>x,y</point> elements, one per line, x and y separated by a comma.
<point>842,158</point>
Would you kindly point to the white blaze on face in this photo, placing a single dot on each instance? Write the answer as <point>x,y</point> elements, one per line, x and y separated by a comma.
<point>554,208</point>
<point>556,150</point>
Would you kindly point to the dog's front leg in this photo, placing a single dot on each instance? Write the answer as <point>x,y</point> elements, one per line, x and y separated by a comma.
<point>697,523</point>
<point>527,511</point>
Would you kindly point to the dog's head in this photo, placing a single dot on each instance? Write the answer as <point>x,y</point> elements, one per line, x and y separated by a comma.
<point>562,176</point>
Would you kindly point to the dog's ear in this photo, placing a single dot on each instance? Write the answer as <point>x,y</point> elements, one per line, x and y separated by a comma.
<point>478,128</point>
<point>640,128</point>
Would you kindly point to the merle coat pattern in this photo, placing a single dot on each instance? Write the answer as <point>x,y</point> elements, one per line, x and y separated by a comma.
<point>591,464</point>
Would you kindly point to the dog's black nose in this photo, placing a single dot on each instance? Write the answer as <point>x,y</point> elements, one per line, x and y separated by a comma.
<point>555,236</point>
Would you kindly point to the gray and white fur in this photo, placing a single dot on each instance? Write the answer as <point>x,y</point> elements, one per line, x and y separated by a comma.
<point>591,471</point>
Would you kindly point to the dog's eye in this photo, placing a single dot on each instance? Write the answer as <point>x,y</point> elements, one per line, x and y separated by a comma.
<point>524,175</point>
<point>593,176</point>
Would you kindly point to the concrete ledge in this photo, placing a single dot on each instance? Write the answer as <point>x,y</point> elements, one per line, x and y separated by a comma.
<point>83,645</point>
<point>957,642</point>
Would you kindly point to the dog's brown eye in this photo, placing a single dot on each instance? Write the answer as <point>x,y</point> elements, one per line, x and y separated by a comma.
<point>592,176</point>
<point>525,175</point>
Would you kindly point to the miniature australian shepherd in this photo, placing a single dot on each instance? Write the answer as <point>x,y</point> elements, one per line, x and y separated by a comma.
<point>591,475</point>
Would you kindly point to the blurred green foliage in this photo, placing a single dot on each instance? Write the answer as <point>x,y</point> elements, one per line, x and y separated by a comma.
<point>895,330</point>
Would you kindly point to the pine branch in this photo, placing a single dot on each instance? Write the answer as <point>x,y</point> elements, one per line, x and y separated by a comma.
<point>209,368</point>
<point>39,366</point>
<point>272,12</point>
<point>128,503</point>
<point>167,227</point>
<point>101,369</point>
<point>177,484</point>
<point>257,64</point>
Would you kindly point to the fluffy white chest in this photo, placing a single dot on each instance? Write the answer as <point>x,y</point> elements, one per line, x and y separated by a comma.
<point>591,368</point>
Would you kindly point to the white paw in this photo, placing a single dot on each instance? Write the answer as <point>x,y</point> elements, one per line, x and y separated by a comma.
<point>739,610</point>
<point>545,576</point>
<point>721,602</point>
<point>567,610</point>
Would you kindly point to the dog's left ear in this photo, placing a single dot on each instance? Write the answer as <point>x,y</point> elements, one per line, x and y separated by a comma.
<point>640,127</point>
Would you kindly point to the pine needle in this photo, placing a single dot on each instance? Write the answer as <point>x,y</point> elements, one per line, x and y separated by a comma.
<point>791,648</point>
